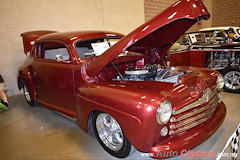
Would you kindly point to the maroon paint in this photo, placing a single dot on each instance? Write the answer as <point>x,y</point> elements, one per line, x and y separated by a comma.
<point>83,86</point>
<point>195,58</point>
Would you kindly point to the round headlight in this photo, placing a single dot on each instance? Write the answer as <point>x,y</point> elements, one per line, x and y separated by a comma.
<point>220,82</point>
<point>164,112</point>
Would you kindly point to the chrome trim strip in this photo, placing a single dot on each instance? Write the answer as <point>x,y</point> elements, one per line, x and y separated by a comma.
<point>190,126</point>
<point>207,95</point>
<point>217,68</point>
<point>221,50</point>
<point>212,49</point>
<point>188,121</point>
<point>215,100</point>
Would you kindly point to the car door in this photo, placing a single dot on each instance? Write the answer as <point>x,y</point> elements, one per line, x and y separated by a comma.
<point>53,77</point>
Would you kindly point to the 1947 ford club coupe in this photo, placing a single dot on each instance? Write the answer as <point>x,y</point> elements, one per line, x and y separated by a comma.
<point>121,84</point>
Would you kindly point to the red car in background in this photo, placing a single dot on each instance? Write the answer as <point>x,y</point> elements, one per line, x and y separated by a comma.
<point>119,86</point>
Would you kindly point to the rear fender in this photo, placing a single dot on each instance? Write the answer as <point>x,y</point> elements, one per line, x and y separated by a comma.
<point>24,78</point>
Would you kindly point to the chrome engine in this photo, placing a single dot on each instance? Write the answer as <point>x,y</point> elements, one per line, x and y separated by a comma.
<point>220,60</point>
<point>153,73</point>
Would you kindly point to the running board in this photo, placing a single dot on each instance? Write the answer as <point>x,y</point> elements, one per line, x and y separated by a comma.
<point>68,117</point>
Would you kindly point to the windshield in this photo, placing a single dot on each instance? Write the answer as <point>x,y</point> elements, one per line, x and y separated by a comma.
<point>211,37</point>
<point>94,47</point>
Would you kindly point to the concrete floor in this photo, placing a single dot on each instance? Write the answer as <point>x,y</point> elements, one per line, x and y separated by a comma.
<point>38,133</point>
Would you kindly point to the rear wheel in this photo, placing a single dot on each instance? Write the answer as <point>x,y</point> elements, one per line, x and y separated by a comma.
<point>231,77</point>
<point>110,135</point>
<point>27,96</point>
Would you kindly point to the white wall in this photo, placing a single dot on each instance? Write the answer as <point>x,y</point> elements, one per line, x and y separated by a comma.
<point>18,16</point>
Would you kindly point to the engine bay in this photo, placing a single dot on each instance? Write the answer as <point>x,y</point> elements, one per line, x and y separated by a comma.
<point>153,72</point>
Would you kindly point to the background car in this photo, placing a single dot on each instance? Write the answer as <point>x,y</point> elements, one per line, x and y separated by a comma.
<point>211,35</point>
<point>224,29</point>
<point>209,50</point>
<point>120,88</point>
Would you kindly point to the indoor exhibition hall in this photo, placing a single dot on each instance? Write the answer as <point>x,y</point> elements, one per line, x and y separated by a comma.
<point>119,79</point>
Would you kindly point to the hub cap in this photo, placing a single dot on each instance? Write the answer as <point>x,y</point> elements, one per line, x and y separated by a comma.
<point>109,131</point>
<point>232,80</point>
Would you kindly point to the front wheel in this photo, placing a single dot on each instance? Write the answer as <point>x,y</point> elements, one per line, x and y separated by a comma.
<point>110,135</point>
<point>231,77</point>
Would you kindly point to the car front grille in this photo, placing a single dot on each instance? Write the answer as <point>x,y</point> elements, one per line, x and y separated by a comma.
<point>195,113</point>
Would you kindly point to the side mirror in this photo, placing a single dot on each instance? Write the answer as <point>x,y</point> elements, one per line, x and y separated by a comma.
<point>59,58</point>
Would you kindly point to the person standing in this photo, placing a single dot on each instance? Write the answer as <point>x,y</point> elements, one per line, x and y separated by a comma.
<point>3,95</point>
<point>230,33</point>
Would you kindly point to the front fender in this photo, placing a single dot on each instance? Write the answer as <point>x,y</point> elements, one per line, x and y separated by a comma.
<point>132,105</point>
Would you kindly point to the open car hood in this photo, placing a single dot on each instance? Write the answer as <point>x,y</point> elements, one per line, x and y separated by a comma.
<point>30,37</point>
<point>159,33</point>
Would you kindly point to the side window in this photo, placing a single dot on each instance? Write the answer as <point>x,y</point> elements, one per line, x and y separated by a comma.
<point>52,50</point>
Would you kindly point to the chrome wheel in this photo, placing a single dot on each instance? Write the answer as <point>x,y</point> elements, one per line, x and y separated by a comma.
<point>232,80</point>
<point>109,131</point>
<point>26,94</point>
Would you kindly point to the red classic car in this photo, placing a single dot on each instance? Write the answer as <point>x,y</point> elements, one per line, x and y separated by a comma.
<point>120,87</point>
<point>210,50</point>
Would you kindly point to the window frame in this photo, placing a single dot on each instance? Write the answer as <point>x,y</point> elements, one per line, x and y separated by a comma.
<point>90,41</point>
<point>42,44</point>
